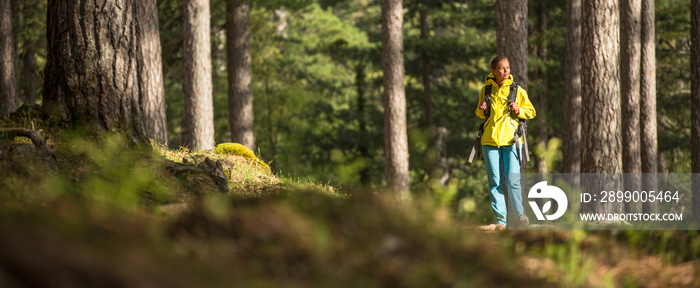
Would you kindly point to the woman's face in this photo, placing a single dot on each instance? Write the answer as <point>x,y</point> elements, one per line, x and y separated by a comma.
<point>502,71</point>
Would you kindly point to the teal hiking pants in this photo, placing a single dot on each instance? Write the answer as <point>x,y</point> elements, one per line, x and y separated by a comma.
<point>502,162</point>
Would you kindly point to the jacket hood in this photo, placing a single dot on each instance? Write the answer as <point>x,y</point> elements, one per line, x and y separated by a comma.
<point>491,79</point>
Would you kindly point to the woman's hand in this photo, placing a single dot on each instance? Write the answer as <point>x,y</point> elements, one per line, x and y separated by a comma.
<point>483,106</point>
<point>514,107</point>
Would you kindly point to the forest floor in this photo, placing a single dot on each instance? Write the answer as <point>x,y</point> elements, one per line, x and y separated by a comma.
<point>114,214</point>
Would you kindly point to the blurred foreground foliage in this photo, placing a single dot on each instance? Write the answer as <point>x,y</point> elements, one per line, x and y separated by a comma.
<point>113,214</point>
<point>121,218</point>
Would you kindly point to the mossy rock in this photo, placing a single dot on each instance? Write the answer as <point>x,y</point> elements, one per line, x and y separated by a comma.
<point>240,150</point>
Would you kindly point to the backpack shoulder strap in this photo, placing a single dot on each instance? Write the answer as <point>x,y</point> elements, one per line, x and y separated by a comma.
<point>487,98</point>
<point>513,94</point>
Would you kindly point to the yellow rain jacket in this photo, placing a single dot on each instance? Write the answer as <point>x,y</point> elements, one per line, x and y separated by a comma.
<point>499,129</point>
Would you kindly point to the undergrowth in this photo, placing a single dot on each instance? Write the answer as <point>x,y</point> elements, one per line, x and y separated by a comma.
<point>118,214</point>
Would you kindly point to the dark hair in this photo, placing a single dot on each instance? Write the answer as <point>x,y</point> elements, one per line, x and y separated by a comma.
<point>495,60</point>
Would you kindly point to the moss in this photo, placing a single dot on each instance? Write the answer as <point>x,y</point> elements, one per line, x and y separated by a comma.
<point>240,150</point>
<point>235,149</point>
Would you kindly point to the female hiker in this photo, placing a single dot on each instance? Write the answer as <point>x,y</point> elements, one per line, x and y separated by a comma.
<point>498,141</point>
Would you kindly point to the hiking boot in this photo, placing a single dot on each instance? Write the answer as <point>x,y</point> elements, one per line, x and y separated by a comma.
<point>523,222</point>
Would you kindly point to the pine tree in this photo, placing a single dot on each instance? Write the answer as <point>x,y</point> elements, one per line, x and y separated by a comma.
<point>572,105</point>
<point>630,52</point>
<point>152,91</point>
<point>240,94</point>
<point>9,100</point>
<point>395,134</point>
<point>601,142</point>
<point>695,105</point>
<point>511,30</point>
<point>198,123</point>
<point>648,127</point>
<point>82,84</point>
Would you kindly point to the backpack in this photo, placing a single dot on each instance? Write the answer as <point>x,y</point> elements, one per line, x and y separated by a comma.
<point>520,131</point>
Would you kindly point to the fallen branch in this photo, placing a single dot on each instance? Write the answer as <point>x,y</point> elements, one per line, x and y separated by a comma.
<point>33,135</point>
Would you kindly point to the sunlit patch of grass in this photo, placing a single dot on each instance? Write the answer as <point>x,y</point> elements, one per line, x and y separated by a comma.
<point>246,177</point>
<point>173,155</point>
<point>308,184</point>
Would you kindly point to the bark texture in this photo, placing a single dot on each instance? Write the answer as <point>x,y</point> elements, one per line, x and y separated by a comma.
<point>91,73</point>
<point>630,53</point>
<point>602,142</point>
<point>152,90</point>
<point>240,93</point>
<point>572,107</point>
<point>198,123</point>
<point>511,30</point>
<point>9,99</point>
<point>695,87</point>
<point>541,79</point>
<point>648,126</point>
<point>395,135</point>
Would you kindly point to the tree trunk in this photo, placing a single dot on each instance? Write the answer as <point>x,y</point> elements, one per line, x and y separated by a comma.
<point>198,123</point>
<point>362,144</point>
<point>602,141</point>
<point>395,135</point>
<point>695,106</point>
<point>30,78</point>
<point>649,146</point>
<point>540,163</point>
<point>240,94</point>
<point>572,103</point>
<point>431,153</point>
<point>511,28</point>
<point>428,97</point>
<point>9,100</point>
<point>91,74</point>
<point>630,53</point>
<point>152,90</point>
<point>511,31</point>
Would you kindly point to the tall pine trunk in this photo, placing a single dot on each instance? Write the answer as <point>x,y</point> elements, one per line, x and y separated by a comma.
<point>152,90</point>
<point>240,94</point>
<point>29,75</point>
<point>602,140</point>
<point>431,153</point>
<point>572,74</point>
<point>362,144</point>
<point>542,92</point>
<point>198,123</point>
<point>511,30</point>
<point>425,59</point>
<point>695,106</point>
<point>395,135</point>
<point>91,74</point>
<point>630,53</point>
<point>9,99</point>
<point>648,126</point>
